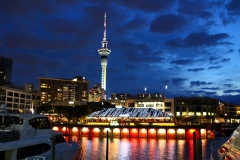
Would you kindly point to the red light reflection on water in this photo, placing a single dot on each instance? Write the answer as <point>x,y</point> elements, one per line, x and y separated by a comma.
<point>138,148</point>
<point>72,138</point>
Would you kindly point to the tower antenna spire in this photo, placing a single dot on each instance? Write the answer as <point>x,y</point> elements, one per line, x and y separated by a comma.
<point>105,27</point>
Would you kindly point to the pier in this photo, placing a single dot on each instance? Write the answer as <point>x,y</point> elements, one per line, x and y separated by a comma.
<point>157,131</point>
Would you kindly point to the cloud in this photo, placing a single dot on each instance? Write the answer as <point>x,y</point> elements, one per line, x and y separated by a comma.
<point>167,23</point>
<point>210,88</point>
<point>185,61</point>
<point>182,61</point>
<point>211,59</point>
<point>175,81</point>
<point>224,60</point>
<point>200,39</point>
<point>197,39</point>
<point>228,79</point>
<point>233,7</point>
<point>196,69</point>
<point>191,7</point>
<point>199,83</point>
<point>205,14</point>
<point>178,81</point>
<point>214,67</point>
<point>140,53</point>
<point>210,23</point>
<point>228,85</point>
<point>148,6</point>
<point>23,9</point>
<point>231,91</point>
<point>197,93</point>
<point>135,24</point>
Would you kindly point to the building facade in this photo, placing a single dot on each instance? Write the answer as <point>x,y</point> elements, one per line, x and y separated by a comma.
<point>201,109</point>
<point>64,92</point>
<point>230,109</point>
<point>155,101</point>
<point>5,70</point>
<point>18,99</point>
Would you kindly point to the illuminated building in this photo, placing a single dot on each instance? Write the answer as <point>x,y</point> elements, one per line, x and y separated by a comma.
<point>104,52</point>
<point>154,101</point>
<point>64,91</point>
<point>19,99</point>
<point>5,70</point>
<point>196,109</point>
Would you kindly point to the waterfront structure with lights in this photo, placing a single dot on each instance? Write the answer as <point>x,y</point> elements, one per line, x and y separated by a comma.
<point>104,52</point>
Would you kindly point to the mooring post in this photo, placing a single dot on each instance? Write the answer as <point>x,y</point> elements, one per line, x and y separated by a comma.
<point>53,147</point>
<point>199,148</point>
<point>194,146</point>
<point>107,146</point>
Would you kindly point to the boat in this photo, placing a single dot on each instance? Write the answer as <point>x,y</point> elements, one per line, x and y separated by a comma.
<point>30,136</point>
<point>227,129</point>
<point>230,150</point>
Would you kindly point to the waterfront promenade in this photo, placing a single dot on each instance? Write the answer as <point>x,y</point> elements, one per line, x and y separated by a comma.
<point>154,130</point>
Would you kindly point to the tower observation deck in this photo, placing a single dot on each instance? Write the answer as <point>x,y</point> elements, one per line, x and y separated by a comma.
<point>104,52</point>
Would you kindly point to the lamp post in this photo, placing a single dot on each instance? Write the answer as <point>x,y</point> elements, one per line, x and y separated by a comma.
<point>166,91</point>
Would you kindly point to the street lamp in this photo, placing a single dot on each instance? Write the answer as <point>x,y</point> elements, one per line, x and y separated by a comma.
<point>166,91</point>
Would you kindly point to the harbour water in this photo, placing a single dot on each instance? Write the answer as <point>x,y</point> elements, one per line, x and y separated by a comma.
<point>144,149</point>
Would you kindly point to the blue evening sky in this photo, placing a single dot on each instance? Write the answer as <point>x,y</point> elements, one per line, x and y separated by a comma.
<point>191,46</point>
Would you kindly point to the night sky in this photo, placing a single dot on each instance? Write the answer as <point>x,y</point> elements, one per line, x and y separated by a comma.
<point>190,46</point>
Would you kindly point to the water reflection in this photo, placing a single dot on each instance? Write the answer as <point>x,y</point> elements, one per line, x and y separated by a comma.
<point>141,148</point>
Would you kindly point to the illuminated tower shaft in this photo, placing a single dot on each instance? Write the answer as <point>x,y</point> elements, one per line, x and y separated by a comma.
<point>104,52</point>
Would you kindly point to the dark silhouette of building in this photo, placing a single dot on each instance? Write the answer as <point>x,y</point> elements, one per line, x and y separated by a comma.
<point>5,70</point>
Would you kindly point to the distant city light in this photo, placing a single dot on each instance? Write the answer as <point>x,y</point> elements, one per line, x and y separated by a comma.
<point>71,102</point>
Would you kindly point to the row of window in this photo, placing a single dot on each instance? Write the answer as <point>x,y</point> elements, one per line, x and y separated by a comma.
<point>204,101</point>
<point>12,94</point>
<point>21,106</point>
<point>9,99</point>
<point>149,105</point>
<point>194,108</point>
<point>180,114</point>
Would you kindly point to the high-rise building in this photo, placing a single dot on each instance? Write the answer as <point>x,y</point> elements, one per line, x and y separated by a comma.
<point>64,91</point>
<point>5,70</point>
<point>104,52</point>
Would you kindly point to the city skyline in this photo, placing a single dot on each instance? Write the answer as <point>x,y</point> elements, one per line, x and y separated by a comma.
<point>190,46</point>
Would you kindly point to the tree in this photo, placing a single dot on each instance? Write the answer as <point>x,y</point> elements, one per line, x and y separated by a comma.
<point>45,108</point>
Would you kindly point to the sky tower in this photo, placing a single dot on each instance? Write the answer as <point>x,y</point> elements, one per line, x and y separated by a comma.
<point>104,52</point>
